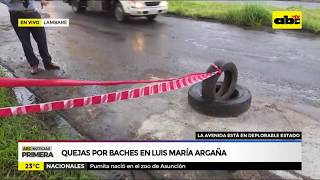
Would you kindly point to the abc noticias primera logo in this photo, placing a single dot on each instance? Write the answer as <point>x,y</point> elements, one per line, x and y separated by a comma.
<point>36,151</point>
<point>286,19</point>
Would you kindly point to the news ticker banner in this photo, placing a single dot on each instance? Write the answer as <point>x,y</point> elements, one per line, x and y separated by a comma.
<point>211,154</point>
<point>250,135</point>
<point>33,22</point>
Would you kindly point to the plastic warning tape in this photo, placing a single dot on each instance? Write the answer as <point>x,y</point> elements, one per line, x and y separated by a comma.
<point>24,82</point>
<point>157,87</point>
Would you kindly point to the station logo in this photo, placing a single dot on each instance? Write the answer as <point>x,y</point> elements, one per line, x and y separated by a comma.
<point>33,152</point>
<point>287,20</point>
<point>36,151</point>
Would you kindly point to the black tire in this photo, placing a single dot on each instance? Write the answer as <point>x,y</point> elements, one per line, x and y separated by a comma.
<point>119,13</point>
<point>209,85</point>
<point>151,17</point>
<point>228,86</point>
<point>238,103</point>
<point>219,92</point>
<point>78,6</point>
<point>229,82</point>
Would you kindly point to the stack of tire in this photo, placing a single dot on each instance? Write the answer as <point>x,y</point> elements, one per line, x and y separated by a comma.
<point>220,98</point>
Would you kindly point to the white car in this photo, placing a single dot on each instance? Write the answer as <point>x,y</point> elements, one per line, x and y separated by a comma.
<point>122,8</point>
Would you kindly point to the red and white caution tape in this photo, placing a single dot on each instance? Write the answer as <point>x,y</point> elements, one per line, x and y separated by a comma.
<point>24,82</point>
<point>160,86</point>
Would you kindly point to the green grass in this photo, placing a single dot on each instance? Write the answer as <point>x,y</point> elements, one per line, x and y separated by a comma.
<point>310,18</point>
<point>26,127</point>
<point>247,14</point>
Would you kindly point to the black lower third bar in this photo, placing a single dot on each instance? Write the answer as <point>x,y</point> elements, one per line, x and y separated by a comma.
<point>65,166</point>
<point>194,166</point>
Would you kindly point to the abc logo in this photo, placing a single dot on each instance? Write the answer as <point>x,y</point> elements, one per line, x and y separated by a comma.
<point>287,20</point>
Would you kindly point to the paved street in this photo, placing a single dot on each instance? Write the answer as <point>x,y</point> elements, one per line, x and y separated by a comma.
<point>280,68</point>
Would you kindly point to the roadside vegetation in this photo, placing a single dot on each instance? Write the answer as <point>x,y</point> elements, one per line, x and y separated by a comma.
<point>25,127</point>
<point>243,14</point>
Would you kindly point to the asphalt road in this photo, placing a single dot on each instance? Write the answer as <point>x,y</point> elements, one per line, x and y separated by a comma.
<point>281,68</point>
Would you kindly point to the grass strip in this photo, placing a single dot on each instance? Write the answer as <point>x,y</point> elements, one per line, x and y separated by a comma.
<point>242,14</point>
<point>26,127</point>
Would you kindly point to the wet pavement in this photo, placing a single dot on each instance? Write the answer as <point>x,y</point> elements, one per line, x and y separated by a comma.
<point>281,68</point>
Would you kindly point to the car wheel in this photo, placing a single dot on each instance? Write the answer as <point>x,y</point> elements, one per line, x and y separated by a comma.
<point>151,17</point>
<point>77,6</point>
<point>239,102</point>
<point>119,13</point>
